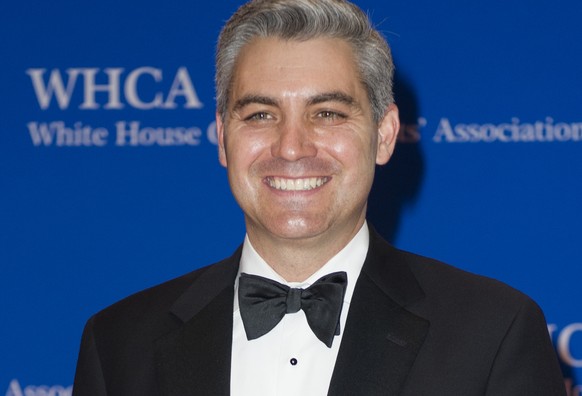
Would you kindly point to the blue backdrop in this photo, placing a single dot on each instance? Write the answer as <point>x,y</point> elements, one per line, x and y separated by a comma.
<point>109,179</point>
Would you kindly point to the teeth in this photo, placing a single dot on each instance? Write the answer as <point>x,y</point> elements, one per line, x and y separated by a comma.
<point>279,183</point>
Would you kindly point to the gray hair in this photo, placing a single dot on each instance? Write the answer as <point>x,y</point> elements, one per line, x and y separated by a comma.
<point>304,20</point>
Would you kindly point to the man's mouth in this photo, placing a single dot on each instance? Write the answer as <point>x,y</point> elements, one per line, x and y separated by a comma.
<point>309,183</point>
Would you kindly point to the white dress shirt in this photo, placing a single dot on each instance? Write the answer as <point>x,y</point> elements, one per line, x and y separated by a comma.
<point>290,359</point>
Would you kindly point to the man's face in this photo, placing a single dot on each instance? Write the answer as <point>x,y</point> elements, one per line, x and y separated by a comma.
<point>298,140</point>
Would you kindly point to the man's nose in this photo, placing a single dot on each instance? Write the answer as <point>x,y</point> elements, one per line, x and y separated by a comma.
<point>294,141</point>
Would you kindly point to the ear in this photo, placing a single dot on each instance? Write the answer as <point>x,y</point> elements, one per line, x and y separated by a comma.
<point>387,132</point>
<point>220,136</point>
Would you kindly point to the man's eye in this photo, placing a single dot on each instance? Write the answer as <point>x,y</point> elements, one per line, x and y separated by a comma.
<point>261,116</point>
<point>331,115</point>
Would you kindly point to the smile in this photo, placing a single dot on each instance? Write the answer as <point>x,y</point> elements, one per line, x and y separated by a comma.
<point>310,183</point>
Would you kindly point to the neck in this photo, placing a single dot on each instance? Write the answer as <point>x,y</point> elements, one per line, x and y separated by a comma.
<point>296,259</point>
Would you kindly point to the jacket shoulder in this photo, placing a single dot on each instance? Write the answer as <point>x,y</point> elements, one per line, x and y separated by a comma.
<point>453,295</point>
<point>151,307</point>
<point>441,279</point>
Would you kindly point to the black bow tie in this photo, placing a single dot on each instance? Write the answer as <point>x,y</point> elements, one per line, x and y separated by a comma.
<point>263,303</point>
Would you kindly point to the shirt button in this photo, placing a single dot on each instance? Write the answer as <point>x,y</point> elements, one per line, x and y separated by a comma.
<point>293,361</point>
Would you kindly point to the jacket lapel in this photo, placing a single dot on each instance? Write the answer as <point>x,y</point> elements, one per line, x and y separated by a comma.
<point>378,349</point>
<point>381,337</point>
<point>194,358</point>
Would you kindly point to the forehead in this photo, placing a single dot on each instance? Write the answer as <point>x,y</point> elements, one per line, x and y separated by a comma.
<point>277,67</point>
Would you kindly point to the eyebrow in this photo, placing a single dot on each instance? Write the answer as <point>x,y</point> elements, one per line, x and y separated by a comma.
<point>254,99</point>
<point>334,96</point>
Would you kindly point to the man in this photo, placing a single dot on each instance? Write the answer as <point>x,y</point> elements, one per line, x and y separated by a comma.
<point>304,113</point>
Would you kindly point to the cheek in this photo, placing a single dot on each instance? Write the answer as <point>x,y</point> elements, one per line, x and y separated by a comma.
<point>244,149</point>
<point>352,150</point>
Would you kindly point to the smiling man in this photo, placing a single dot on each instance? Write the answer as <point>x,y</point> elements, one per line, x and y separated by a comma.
<point>314,302</point>
<point>300,143</point>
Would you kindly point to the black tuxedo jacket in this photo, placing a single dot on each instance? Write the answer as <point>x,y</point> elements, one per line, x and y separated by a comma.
<point>415,327</point>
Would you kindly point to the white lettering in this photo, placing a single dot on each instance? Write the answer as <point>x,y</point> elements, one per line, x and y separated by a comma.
<point>130,88</point>
<point>58,134</point>
<point>55,87</point>
<point>111,87</point>
<point>514,132</point>
<point>562,132</point>
<point>41,134</point>
<point>182,86</point>
<point>444,130</point>
<point>109,82</point>
<point>564,345</point>
<point>211,134</point>
<point>14,389</point>
<point>134,135</point>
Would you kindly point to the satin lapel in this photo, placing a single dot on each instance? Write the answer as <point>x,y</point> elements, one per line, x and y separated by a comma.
<point>194,359</point>
<point>381,338</point>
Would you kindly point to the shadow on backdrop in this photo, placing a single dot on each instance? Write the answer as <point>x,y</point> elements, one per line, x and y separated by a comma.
<point>398,183</point>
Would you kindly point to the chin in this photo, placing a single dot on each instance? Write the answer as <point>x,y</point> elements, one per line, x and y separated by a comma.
<point>297,228</point>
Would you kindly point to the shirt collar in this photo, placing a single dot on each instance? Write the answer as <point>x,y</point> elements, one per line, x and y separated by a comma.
<point>350,259</point>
